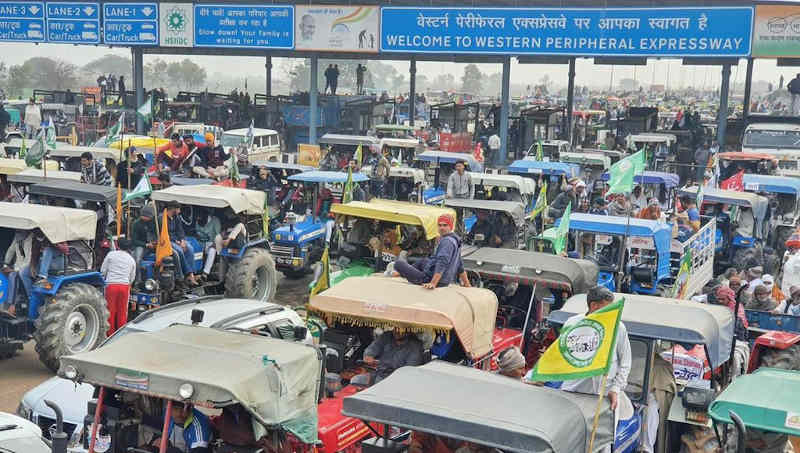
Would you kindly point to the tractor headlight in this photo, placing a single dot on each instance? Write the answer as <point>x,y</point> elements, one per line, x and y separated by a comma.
<point>150,284</point>
<point>186,391</point>
<point>70,372</point>
<point>24,411</point>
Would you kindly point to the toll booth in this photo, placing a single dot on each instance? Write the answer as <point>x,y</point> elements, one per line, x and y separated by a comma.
<point>539,123</point>
<point>461,120</point>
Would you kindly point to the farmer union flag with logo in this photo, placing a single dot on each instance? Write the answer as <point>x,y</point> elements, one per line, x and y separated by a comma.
<point>583,349</point>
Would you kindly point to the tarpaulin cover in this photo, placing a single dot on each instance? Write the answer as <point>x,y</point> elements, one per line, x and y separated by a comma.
<point>58,224</point>
<point>240,200</point>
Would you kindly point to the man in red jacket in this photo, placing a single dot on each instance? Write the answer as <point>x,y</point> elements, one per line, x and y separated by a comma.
<point>171,156</point>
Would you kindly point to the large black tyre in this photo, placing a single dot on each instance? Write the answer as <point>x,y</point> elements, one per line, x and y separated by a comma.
<point>254,277</point>
<point>75,321</point>
<point>787,359</point>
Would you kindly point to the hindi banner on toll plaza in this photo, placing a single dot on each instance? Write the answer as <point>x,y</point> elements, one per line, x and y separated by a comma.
<point>776,31</point>
<point>337,28</point>
<point>657,32</point>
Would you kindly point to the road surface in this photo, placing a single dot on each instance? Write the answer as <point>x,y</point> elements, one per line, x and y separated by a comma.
<point>23,372</point>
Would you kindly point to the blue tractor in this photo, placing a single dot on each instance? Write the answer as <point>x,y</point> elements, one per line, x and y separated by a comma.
<point>242,269</point>
<point>67,314</point>
<point>783,193</point>
<point>300,240</point>
<point>743,223</point>
<point>556,174</point>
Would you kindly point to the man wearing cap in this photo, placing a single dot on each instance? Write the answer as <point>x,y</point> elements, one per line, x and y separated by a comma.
<point>561,202</point>
<point>597,298</point>
<point>599,206</point>
<point>441,268</point>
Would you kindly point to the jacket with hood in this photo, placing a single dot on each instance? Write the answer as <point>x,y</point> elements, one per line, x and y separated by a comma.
<point>446,260</point>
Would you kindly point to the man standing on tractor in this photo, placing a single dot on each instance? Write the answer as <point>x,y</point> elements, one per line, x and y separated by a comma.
<point>794,89</point>
<point>17,258</point>
<point>93,171</point>
<point>5,119</point>
<point>380,173</point>
<point>459,184</point>
<point>119,273</point>
<point>33,118</point>
<point>597,298</point>
<point>443,267</point>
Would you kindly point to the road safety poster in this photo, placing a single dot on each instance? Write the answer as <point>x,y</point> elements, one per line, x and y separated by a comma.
<point>337,28</point>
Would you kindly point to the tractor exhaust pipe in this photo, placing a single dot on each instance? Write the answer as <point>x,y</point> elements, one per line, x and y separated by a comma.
<point>58,438</point>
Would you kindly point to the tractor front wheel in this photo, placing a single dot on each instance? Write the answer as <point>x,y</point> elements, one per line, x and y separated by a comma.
<point>75,321</point>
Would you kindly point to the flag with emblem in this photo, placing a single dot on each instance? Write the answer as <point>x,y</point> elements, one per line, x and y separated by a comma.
<point>142,189</point>
<point>324,280</point>
<point>234,169</point>
<point>622,173</point>
<point>50,135</point>
<point>539,151</point>
<point>541,201</point>
<point>34,156</point>
<point>145,111</point>
<point>23,150</point>
<point>560,241</point>
<point>347,194</point>
<point>700,196</point>
<point>583,349</point>
<point>164,246</point>
<point>115,132</point>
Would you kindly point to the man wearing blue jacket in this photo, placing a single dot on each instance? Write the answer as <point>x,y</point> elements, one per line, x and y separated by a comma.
<point>443,267</point>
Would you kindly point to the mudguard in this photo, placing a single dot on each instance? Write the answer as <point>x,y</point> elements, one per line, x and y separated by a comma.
<point>40,294</point>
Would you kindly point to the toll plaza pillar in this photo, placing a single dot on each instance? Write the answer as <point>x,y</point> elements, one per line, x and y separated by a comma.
<point>138,86</point>
<point>501,157</point>
<point>722,114</point>
<point>313,104</point>
<point>268,67</point>
<point>570,97</point>
<point>748,81</point>
<point>412,92</point>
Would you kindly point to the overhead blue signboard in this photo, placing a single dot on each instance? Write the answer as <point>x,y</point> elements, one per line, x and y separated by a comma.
<point>675,32</point>
<point>263,27</point>
<point>22,21</point>
<point>73,23</point>
<point>130,24</point>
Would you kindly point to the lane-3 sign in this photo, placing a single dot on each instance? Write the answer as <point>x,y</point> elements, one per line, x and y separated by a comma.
<point>22,21</point>
<point>73,23</point>
<point>130,24</point>
<point>659,32</point>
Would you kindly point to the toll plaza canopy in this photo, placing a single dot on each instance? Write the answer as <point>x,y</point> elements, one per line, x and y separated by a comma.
<point>501,28</point>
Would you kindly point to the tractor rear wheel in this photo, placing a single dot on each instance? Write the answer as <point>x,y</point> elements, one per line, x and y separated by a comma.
<point>787,359</point>
<point>254,277</point>
<point>75,321</point>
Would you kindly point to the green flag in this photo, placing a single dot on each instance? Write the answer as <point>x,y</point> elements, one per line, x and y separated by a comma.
<point>234,170</point>
<point>50,134</point>
<point>115,132</point>
<point>23,150</point>
<point>347,194</point>
<point>34,156</point>
<point>541,201</point>
<point>146,110</point>
<point>560,242</point>
<point>622,173</point>
<point>539,151</point>
<point>142,189</point>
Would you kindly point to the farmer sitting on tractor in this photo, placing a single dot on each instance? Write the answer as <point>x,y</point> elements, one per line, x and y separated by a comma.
<point>391,351</point>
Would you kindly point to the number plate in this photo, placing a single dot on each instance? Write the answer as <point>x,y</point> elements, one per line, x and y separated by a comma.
<point>283,260</point>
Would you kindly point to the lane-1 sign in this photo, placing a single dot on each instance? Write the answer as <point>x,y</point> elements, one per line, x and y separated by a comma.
<point>263,27</point>
<point>22,21</point>
<point>657,32</point>
<point>73,23</point>
<point>130,24</point>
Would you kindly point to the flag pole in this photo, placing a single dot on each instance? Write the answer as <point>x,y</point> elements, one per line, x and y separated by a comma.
<point>597,413</point>
<point>522,342</point>
<point>128,208</point>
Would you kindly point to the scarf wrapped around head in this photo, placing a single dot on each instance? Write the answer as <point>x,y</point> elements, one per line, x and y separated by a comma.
<point>726,296</point>
<point>510,359</point>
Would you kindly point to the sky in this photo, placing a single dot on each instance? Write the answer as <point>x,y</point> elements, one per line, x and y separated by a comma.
<point>666,72</point>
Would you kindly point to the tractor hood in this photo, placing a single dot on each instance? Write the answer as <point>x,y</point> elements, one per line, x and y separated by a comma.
<point>302,232</point>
